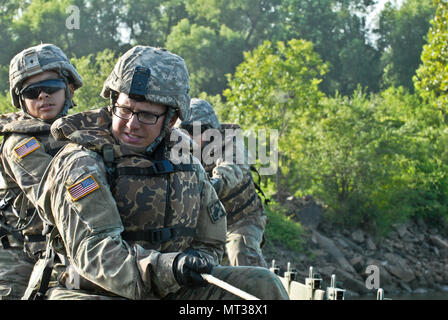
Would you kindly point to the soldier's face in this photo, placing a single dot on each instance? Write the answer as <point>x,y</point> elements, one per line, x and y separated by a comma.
<point>45,106</point>
<point>132,132</point>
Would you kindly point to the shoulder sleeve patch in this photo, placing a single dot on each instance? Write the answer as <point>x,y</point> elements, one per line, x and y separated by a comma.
<point>83,188</point>
<point>26,148</point>
<point>216,211</point>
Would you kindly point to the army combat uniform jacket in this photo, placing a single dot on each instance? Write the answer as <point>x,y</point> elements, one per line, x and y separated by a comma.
<point>246,218</point>
<point>122,217</point>
<point>27,149</point>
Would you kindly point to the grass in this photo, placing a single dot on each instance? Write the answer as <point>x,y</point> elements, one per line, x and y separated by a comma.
<point>283,230</point>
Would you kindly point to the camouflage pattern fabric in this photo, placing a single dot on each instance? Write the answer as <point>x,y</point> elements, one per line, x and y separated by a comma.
<point>244,239</point>
<point>19,180</point>
<point>203,112</point>
<point>38,59</point>
<point>15,270</point>
<point>90,227</point>
<point>21,173</point>
<point>259,282</point>
<point>246,218</point>
<point>168,81</point>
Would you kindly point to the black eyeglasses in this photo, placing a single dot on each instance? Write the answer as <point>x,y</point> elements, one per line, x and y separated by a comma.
<point>48,86</point>
<point>142,116</point>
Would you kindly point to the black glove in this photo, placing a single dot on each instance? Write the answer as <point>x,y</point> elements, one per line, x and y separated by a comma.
<point>187,268</point>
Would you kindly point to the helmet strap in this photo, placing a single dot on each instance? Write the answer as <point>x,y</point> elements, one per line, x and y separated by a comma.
<point>163,131</point>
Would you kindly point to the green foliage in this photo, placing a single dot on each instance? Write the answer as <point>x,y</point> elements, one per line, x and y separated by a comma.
<point>275,86</point>
<point>94,70</point>
<point>283,230</point>
<point>209,54</point>
<point>6,105</point>
<point>374,159</point>
<point>338,31</point>
<point>431,80</point>
<point>402,34</point>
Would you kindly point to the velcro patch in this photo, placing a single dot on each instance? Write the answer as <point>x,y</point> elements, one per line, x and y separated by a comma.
<point>26,148</point>
<point>83,188</point>
<point>216,211</point>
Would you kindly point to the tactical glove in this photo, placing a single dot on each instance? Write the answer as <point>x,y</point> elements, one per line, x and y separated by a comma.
<point>187,268</point>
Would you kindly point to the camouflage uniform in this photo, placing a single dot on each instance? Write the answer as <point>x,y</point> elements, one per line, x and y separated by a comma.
<point>122,231</point>
<point>27,149</point>
<point>234,185</point>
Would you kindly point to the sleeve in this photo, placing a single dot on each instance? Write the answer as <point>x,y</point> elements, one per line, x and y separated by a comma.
<point>25,161</point>
<point>231,169</point>
<point>84,211</point>
<point>212,222</point>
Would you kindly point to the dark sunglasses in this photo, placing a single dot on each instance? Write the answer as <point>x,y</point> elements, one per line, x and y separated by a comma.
<point>48,86</point>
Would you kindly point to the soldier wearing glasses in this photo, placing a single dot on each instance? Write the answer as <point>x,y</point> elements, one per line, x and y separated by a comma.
<point>42,84</point>
<point>132,221</point>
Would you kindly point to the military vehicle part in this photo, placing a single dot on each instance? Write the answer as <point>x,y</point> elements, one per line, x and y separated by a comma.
<point>334,293</point>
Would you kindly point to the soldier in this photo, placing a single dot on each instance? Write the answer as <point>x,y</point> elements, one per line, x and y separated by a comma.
<point>42,84</point>
<point>130,222</point>
<point>232,180</point>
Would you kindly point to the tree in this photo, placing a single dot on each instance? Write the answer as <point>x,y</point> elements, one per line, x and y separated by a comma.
<point>402,33</point>
<point>431,79</point>
<point>338,30</point>
<point>208,54</point>
<point>94,69</point>
<point>150,22</point>
<point>274,86</point>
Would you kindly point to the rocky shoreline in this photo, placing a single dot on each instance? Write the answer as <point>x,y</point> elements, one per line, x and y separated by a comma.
<point>412,259</point>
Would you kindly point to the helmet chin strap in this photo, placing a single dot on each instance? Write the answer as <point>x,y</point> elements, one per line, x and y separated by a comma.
<point>163,132</point>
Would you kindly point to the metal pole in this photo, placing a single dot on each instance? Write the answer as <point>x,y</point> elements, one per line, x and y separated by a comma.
<point>224,285</point>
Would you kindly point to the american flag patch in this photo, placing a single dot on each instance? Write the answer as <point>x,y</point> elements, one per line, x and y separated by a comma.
<point>27,147</point>
<point>83,188</point>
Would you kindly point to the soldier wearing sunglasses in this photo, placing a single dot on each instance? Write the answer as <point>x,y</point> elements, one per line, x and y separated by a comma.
<point>42,84</point>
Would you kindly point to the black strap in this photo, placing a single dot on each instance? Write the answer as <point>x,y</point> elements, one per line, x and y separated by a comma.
<point>34,238</point>
<point>156,236</point>
<point>109,162</point>
<point>158,167</point>
<point>257,185</point>
<point>44,282</point>
<point>4,238</point>
<point>241,208</point>
<point>237,192</point>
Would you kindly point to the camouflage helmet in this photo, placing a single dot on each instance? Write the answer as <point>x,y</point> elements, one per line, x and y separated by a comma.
<point>202,111</point>
<point>154,73</point>
<point>36,60</point>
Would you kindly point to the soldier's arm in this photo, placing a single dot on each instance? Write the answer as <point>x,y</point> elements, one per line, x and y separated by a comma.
<point>90,226</point>
<point>212,222</point>
<point>25,164</point>
<point>231,169</point>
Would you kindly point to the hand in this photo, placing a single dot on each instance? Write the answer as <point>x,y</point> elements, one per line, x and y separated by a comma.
<point>187,268</point>
<point>217,185</point>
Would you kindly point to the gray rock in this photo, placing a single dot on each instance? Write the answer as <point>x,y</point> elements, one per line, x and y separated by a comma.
<point>358,236</point>
<point>310,216</point>
<point>399,268</point>
<point>370,244</point>
<point>328,245</point>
